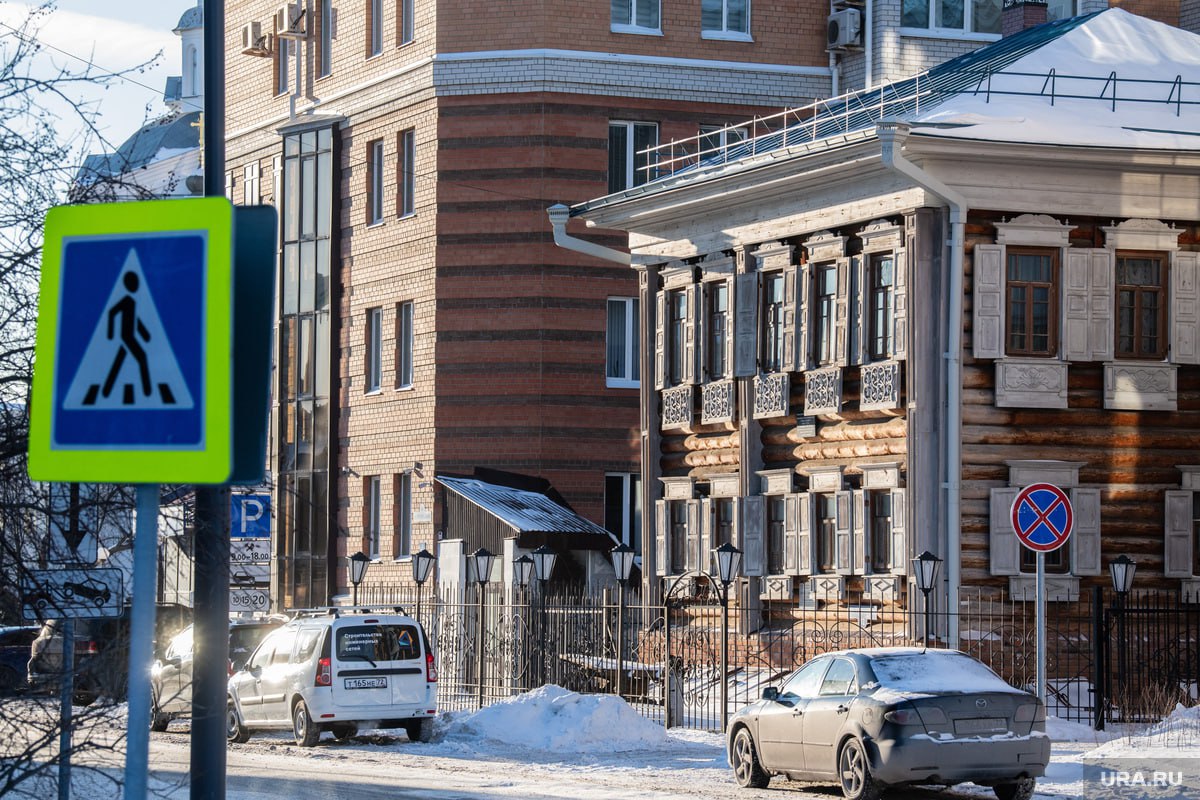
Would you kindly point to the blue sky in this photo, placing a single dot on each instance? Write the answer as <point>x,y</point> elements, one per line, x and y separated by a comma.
<point>114,34</point>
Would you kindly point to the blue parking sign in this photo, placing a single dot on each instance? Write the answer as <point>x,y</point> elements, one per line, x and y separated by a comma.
<point>251,516</point>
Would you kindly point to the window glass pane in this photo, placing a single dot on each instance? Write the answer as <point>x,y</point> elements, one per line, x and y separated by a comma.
<point>618,164</point>
<point>644,136</point>
<point>614,504</point>
<point>291,278</point>
<point>621,11</point>
<point>635,512</point>
<point>304,361</point>
<point>647,13</point>
<point>320,434</point>
<point>635,344</point>
<point>738,18</point>
<point>324,193</point>
<point>949,13</point>
<point>321,290</point>
<point>303,512</point>
<point>914,13</point>
<point>308,275</point>
<point>291,200</point>
<point>308,194</point>
<point>712,15</point>
<point>1060,9</point>
<point>616,339</point>
<point>985,16</point>
<point>308,142</point>
<point>321,355</point>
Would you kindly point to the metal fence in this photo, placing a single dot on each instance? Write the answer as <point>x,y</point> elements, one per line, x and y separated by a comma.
<point>1108,658</point>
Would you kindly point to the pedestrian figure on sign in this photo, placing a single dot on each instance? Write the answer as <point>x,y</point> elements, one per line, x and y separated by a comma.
<point>130,327</point>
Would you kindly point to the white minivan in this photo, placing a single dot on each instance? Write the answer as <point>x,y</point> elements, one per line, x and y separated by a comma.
<point>331,670</point>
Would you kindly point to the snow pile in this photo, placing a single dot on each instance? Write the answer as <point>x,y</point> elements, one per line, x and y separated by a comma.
<point>553,719</point>
<point>1177,736</point>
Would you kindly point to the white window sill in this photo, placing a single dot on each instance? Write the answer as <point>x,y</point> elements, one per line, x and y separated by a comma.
<point>379,223</point>
<point>409,215</point>
<point>618,383</point>
<point>372,392</point>
<point>374,56</point>
<point>726,36</point>
<point>955,34</point>
<point>637,30</point>
<point>402,559</point>
<point>407,388</point>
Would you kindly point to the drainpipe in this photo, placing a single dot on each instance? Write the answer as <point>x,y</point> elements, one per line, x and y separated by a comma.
<point>559,214</point>
<point>833,75</point>
<point>868,43</point>
<point>892,134</point>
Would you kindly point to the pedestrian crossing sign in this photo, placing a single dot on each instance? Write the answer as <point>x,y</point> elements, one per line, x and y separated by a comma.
<point>133,373</point>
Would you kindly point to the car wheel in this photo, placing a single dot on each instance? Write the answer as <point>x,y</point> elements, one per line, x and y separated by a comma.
<point>746,769</point>
<point>10,680</point>
<point>343,730</point>
<point>855,773</point>
<point>419,730</point>
<point>303,728</point>
<point>1021,789</point>
<point>235,730</point>
<point>159,720</point>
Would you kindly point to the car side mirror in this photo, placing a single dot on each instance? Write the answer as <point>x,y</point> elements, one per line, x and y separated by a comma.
<point>770,693</point>
<point>256,671</point>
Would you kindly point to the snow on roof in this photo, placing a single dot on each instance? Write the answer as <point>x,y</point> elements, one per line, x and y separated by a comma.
<point>1117,80</point>
<point>525,512</point>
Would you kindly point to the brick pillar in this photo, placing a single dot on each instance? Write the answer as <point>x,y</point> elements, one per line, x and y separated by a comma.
<point>1021,14</point>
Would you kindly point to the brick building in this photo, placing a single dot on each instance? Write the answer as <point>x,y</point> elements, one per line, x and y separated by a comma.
<point>427,324</point>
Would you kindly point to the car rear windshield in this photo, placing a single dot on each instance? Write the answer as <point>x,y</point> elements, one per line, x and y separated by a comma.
<point>934,671</point>
<point>378,643</point>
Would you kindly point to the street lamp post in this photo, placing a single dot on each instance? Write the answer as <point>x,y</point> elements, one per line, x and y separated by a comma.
<point>482,561</point>
<point>358,571</point>
<point>422,565</point>
<point>925,568</point>
<point>522,574</point>
<point>1122,569</point>
<point>728,561</point>
<point>622,560</point>
<point>543,568</point>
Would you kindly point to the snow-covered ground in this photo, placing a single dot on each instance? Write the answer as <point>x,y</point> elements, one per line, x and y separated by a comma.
<point>551,743</point>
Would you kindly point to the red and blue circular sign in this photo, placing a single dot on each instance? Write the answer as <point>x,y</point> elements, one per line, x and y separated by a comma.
<point>1042,517</point>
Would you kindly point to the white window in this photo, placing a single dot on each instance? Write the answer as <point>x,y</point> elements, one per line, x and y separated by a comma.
<point>374,345</point>
<point>326,53</point>
<point>716,139</point>
<point>628,163</point>
<point>636,16</point>
<point>252,187</point>
<point>402,509</point>
<point>229,185</point>
<point>725,19</point>
<point>375,182</point>
<point>623,507</point>
<point>283,54</point>
<point>406,180</point>
<point>957,16</point>
<point>404,345</point>
<point>405,27</point>
<point>622,368</point>
<point>371,508</point>
<point>375,28</point>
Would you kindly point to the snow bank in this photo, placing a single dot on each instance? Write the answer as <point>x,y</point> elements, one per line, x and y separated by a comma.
<point>1177,736</point>
<point>553,719</point>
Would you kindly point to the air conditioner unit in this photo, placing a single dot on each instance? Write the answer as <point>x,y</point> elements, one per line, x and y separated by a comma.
<point>845,28</point>
<point>254,41</point>
<point>290,22</point>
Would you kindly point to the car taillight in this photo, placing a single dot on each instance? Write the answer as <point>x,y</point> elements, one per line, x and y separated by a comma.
<point>323,677</point>
<point>1030,712</point>
<point>86,646</point>
<point>903,716</point>
<point>430,668</point>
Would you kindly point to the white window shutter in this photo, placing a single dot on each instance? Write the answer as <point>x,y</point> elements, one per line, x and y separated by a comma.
<point>841,314</point>
<point>859,346</point>
<point>662,538</point>
<point>660,340</point>
<point>730,333</point>
<point>858,537</point>
<point>707,526</point>
<point>987,329</point>
<point>692,559</point>
<point>1177,534</point>
<point>691,329</point>
<point>791,303</point>
<point>899,556</point>
<point>1085,538</point>
<point>1101,334</point>
<point>1185,309</point>
<point>841,533</point>
<point>803,318</point>
<point>791,532</point>
<point>745,333</point>
<point>753,555</point>
<point>900,305</point>
<point>804,551</point>
<point>1003,546</point>
<point>1076,299</point>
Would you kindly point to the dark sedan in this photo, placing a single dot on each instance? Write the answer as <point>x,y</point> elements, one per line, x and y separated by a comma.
<point>873,718</point>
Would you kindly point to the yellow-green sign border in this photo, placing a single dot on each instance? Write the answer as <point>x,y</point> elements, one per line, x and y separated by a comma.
<point>209,464</point>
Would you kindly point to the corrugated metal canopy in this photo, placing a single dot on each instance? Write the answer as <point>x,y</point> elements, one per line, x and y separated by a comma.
<point>534,518</point>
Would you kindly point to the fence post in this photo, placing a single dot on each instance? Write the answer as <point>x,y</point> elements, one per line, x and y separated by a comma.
<point>1098,636</point>
<point>668,679</point>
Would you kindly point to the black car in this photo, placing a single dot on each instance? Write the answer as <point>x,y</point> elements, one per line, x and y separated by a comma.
<point>101,655</point>
<point>90,590</point>
<point>15,645</point>
<point>873,718</point>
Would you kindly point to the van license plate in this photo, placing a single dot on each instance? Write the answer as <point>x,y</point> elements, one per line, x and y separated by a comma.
<point>366,683</point>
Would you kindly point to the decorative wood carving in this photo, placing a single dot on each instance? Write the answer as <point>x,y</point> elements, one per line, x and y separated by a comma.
<point>677,406</point>
<point>882,588</point>
<point>777,587</point>
<point>716,402</point>
<point>1142,234</point>
<point>880,387</point>
<point>1031,383</point>
<point>1138,385</point>
<point>823,391</point>
<point>827,587</point>
<point>1059,588</point>
<point>771,395</point>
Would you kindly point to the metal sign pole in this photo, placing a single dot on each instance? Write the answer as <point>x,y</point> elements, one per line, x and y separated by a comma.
<point>1040,591</point>
<point>141,641</point>
<point>67,693</point>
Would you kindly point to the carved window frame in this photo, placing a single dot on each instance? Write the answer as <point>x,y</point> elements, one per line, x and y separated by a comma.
<point>1052,301</point>
<point>1159,291</point>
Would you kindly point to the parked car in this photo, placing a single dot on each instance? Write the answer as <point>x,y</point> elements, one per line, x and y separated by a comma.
<point>334,671</point>
<point>171,675</point>
<point>874,718</point>
<point>101,658</point>
<point>15,646</point>
<point>91,590</point>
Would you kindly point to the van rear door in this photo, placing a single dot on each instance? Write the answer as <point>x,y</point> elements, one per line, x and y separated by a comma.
<point>378,663</point>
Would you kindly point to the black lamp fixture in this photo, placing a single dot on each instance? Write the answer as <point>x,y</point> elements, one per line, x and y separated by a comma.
<point>1122,569</point>
<point>925,570</point>
<point>358,570</point>
<point>522,571</point>
<point>482,559</point>
<point>543,563</point>
<point>728,561</point>
<point>622,561</point>
<point>422,565</point>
